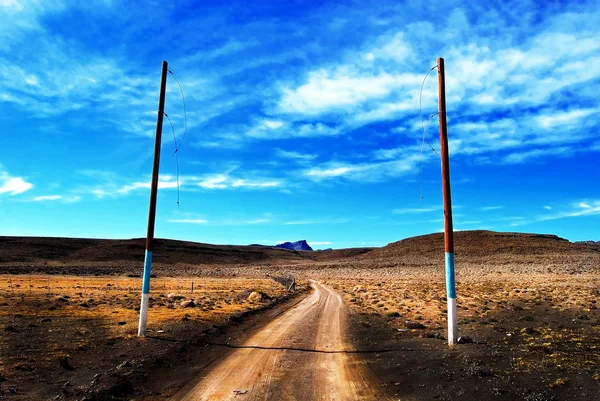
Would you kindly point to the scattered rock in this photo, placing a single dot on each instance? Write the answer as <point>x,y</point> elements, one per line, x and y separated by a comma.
<point>46,320</point>
<point>188,304</point>
<point>437,336</point>
<point>545,395</point>
<point>123,365</point>
<point>24,368</point>
<point>242,296</point>
<point>465,340</point>
<point>392,314</point>
<point>236,319</point>
<point>65,364</point>
<point>10,329</point>
<point>121,388</point>
<point>255,296</point>
<point>175,297</point>
<point>415,326</point>
<point>477,370</point>
<point>122,323</point>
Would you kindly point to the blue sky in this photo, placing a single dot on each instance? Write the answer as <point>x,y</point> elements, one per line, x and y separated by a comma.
<point>302,119</point>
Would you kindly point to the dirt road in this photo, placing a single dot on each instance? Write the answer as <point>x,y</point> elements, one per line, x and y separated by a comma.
<point>301,355</point>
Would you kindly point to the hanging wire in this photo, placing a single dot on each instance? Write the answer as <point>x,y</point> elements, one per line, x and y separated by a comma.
<point>175,154</point>
<point>420,154</point>
<point>424,132</point>
<point>184,112</point>
<point>421,109</point>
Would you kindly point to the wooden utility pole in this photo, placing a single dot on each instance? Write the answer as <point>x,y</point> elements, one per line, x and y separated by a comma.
<point>448,229</point>
<point>152,212</point>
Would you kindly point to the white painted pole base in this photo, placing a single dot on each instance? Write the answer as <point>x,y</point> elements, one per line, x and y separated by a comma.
<point>452,329</point>
<point>143,315</point>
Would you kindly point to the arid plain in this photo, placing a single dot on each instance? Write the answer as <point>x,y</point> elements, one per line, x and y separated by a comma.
<point>526,303</point>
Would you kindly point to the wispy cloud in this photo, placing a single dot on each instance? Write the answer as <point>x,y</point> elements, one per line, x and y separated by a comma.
<point>317,243</point>
<point>57,198</point>
<point>316,221</point>
<point>257,221</point>
<point>13,185</point>
<point>568,117</point>
<point>188,221</point>
<point>114,190</point>
<point>47,198</point>
<point>286,154</point>
<point>490,208</point>
<point>364,172</point>
<point>586,207</point>
<point>234,219</point>
<point>224,181</point>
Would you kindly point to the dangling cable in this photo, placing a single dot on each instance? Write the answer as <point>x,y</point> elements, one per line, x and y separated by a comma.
<point>184,112</point>
<point>175,154</point>
<point>424,132</point>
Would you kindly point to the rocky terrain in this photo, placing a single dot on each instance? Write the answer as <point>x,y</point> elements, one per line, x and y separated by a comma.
<point>527,303</point>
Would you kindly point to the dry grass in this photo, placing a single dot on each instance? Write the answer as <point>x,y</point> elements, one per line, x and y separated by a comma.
<point>531,323</point>
<point>91,322</point>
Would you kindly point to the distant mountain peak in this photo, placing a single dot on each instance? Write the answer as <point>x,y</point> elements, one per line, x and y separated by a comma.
<point>301,245</point>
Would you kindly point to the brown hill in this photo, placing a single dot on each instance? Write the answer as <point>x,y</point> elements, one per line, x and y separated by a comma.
<point>486,248</point>
<point>334,254</point>
<point>477,250</point>
<point>48,254</point>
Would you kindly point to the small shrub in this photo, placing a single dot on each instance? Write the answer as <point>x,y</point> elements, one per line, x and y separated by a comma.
<point>558,382</point>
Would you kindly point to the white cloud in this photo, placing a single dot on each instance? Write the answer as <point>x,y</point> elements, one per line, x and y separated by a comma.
<point>327,172</point>
<point>113,190</point>
<point>365,172</point>
<point>273,124</point>
<point>214,182</point>
<point>188,221</point>
<point>568,117</point>
<point>577,209</point>
<point>489,208</point>
<point>279,130</point>
<point>225,181</point>
<point>255,184</point>
<point>257,221</point>
<point>47,198</point>
<point>521,157</point>
<point>61,198</point>
<point>342,88</point>
<point>396,49</point>
<point>294,155</point>
<point>316,221</point>
<point>548,207</point>
<point>317,129</point>
<point>13,185</point>
<point>298,223</point>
